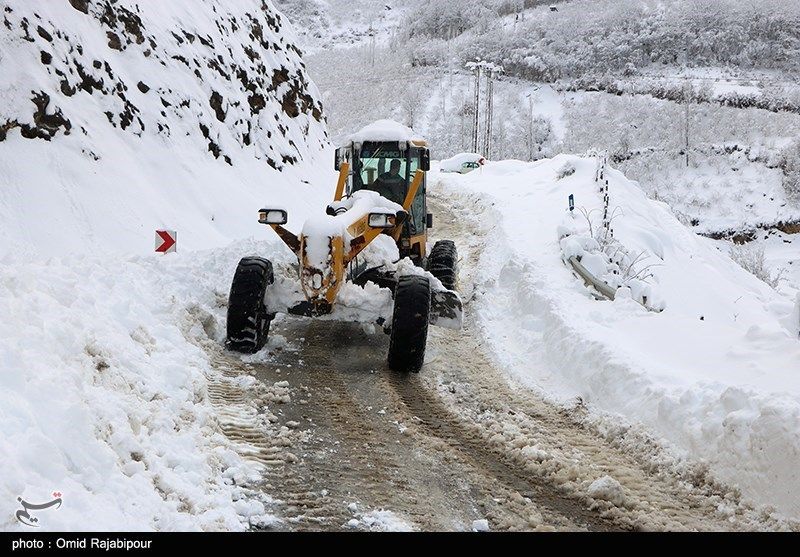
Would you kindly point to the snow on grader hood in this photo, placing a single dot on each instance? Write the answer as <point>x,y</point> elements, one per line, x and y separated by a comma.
<point>328,249</point>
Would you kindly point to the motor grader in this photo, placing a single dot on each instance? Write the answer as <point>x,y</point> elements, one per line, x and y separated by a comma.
<point>380,192</point>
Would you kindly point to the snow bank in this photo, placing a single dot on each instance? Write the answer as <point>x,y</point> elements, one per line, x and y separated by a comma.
<point>354,303</point>
<point>104,393</point>
<point>716,373</point>
<point>319,229</point>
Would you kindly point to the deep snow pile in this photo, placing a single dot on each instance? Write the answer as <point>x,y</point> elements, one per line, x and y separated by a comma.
<point>384,130</point>
<point>319,229</point>
<point>716,372</point>
<point>118,118</point>
<point>365,303</point>
<point>104,393</point>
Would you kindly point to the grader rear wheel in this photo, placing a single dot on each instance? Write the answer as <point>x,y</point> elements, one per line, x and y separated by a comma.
<point>443,263</point>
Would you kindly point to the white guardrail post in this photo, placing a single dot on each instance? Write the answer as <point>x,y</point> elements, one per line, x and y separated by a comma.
<point>588,278</point>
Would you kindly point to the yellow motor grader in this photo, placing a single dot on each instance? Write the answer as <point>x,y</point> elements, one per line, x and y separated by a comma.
<point>381,191</point>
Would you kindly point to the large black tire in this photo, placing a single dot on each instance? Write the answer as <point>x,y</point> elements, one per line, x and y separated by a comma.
<point>412,307</point>
<point>248,318</point>
<point>443,263</point>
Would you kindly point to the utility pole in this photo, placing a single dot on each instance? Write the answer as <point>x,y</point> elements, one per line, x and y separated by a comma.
<point>491,71</point>
<point>487,115</point>
<point>530,127</point>
<point>477,69</point>
<point>372,46</point>
<point>687,94</point>
<point>686,99</point>
<point>487,128</point>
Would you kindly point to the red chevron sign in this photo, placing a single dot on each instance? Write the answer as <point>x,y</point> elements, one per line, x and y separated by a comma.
<point>166,241</point>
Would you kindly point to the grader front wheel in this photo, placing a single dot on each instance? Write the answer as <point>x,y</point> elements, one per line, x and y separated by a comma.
<point>412,307</point>
<point>248,318</point>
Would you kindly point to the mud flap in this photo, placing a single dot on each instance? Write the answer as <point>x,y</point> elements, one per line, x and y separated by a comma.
<point>446,309</point>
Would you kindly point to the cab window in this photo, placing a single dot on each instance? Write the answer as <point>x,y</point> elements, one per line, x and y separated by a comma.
<point>418,209</point>
<point>376,161</point>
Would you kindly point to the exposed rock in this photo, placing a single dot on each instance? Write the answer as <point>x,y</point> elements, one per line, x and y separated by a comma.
<point>113,41</point>
<point>237,55</point>
<point>80,5</point>
<point>44,34</point>
<point>216,105</point>
<point>45,125</point>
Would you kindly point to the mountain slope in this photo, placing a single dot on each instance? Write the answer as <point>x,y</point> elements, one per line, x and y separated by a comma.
<point>119,118</point>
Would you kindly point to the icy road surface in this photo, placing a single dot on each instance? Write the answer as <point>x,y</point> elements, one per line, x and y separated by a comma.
<point>347,444</point>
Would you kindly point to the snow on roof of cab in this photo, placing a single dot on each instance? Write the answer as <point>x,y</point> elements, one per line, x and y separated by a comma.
<point>385,130</point>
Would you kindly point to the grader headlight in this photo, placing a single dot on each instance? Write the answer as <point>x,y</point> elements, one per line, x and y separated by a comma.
<point>273,216</point>
<point>382,220</point>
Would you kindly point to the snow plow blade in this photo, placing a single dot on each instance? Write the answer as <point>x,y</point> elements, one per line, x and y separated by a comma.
<point>446,310</point>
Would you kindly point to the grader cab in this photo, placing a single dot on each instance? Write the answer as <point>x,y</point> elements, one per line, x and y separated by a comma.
<point>380,194</point>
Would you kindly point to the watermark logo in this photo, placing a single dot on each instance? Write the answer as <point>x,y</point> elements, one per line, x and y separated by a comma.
<point>24,515</point>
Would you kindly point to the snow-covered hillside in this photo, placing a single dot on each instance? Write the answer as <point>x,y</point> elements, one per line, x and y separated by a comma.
<point>334,24</point>
<point>597,76</point>
<point>716,372</point>
<point>118,118</point>
<point>121,117</point>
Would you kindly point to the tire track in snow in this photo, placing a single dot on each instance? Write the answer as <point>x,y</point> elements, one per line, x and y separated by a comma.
<point>365,445</point>
<point>467,439</point>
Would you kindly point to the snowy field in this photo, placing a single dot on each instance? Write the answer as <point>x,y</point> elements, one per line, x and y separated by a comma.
<point>715,373</point>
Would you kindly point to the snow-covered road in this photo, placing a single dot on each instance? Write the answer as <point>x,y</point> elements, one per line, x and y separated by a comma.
<point>345,443</point>
<point>147,421</point>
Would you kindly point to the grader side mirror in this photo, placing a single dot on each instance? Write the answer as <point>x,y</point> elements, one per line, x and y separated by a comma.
<point>337,159</point>
<point>273,216</point>
<point>429,221</point>
<point>425,163</point>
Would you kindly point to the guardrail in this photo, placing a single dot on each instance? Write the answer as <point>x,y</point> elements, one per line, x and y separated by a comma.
<point>601,287</point>
<point>574,261</point>
<point>591,280</point>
